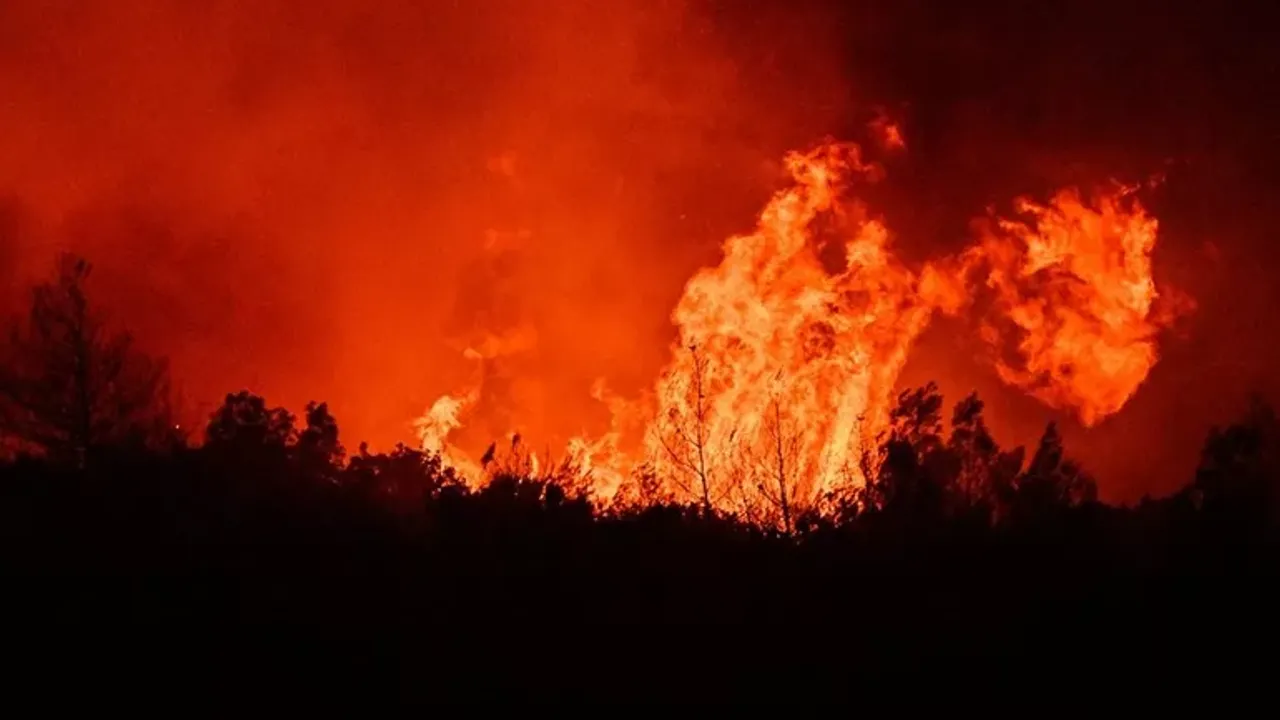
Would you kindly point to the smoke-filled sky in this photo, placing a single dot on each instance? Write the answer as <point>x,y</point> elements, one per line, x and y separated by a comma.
<point>294,196</point>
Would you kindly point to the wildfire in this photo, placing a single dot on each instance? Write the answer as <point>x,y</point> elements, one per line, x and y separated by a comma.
<point>1074,284</point>
<point>789,350</point>
<point>784,370</point>
<point>443,417</point>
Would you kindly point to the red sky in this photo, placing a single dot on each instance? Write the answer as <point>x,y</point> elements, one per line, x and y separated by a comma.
<point>289,196</point>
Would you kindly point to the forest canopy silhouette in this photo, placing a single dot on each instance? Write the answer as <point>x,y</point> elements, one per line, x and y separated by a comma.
<point>265,531</point>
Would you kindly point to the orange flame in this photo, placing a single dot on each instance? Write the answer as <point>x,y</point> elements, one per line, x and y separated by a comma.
<point>442,418</point>
<point>785,370</point>
<point>1075,283</point>
<point>789,350</point>
<point>887,132</point>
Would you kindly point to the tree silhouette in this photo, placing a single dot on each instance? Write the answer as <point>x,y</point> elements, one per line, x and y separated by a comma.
<point>1051,483</point>
<point>968,477</point>
<point>774,470</point>
<point>685,437</point>
<point>404,479</point>
<point>1238,478</point>
<point>907,485</point>
<point>318,450</point>
<point>983,473</point>
<point>71,384</point>
<point>244,421</point>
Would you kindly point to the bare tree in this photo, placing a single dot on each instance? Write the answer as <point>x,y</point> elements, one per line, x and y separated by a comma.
<point>777,484</point>
<point>69,384</point>
<point>685,438</point>
<point>642,488</point>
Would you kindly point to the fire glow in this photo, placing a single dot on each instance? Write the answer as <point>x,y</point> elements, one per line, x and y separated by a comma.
<point>786,363</point>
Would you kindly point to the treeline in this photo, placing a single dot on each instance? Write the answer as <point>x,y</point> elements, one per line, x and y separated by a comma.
<point>267,557</point>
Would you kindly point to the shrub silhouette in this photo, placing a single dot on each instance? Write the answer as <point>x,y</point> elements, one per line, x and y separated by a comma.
<point>71,384</point>
<point>269,551</point>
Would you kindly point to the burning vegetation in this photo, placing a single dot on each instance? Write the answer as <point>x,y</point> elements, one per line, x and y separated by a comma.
<point>653,406</point>
<point>779,389</point>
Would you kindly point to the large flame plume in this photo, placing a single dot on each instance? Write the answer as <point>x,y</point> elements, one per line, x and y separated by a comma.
<point>1073,283</point>
<point>784,369</point>
<point>789,350</point>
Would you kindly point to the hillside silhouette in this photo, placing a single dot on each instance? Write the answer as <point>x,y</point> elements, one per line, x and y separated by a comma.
<point>264,556</point>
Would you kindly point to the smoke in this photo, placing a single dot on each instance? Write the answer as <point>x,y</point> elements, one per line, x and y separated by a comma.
<point>295,197</point>
<point>290,195</point>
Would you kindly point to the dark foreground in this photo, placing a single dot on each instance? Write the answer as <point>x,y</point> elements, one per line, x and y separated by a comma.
<point>173,579</point>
